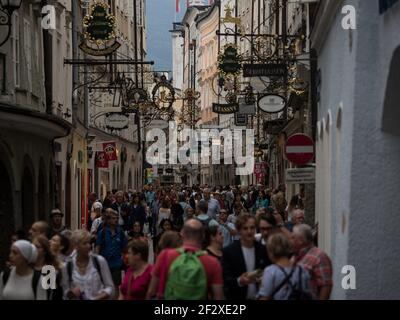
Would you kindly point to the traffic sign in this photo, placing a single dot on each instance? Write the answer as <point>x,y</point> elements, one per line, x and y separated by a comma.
<point>300,149</point>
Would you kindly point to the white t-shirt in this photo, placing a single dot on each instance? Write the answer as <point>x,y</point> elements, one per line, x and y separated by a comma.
<point>20,288</point>
<point>89,283</point>
<point>250,260</point>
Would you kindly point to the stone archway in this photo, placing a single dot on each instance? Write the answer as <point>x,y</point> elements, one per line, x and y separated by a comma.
<point>6,214</point>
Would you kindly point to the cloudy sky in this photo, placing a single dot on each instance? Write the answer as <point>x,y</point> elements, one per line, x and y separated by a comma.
<point>160,16</point>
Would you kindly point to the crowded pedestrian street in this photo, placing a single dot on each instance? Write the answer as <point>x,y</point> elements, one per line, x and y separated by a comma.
<point>226,150</point>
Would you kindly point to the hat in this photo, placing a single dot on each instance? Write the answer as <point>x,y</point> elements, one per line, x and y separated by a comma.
<point>56,212</point>
<point>27,249</point>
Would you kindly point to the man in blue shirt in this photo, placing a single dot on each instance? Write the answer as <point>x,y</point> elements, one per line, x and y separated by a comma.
<point>111,243</point>
<point>150,196</point>
<point>213,204</point>
<point>228,229</point>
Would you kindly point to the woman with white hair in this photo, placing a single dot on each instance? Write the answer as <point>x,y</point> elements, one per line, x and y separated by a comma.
<point>22,281</point>
<point>86,276</point>
<point>97,209</point>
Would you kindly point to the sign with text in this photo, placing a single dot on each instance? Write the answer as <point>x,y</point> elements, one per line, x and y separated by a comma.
<point>300,176</point>
<point>225,108</point>
<point>271,103</point>
<point>264,70</point>
<point>117,121</point>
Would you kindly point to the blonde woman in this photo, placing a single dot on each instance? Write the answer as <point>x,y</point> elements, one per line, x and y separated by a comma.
<point>283,280</point>
<point>86,276</point>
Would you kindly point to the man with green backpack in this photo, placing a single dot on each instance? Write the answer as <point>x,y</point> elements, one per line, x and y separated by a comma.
<point>187,273</point>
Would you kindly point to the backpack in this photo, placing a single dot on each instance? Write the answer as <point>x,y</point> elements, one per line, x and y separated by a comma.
<point>96,264</point>
<point>34,284</point>
<point>297,292</point>
<point>187,279</point>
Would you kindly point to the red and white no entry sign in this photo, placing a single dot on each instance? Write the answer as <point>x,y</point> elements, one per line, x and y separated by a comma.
<point>300,149</point>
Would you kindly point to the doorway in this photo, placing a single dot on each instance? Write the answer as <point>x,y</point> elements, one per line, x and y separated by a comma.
<point>6,215</point>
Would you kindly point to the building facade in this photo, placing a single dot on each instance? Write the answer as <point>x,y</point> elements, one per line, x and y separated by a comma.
<point>358,147</point>
<point>28,125</point>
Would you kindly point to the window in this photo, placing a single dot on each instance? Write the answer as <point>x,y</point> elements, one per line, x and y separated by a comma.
<point>16,49</point>
<point>28,52</point>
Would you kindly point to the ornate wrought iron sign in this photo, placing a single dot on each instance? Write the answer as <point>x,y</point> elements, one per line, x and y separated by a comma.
<point>163,94</point>
<point>99,31</point>
<point>229,62</point>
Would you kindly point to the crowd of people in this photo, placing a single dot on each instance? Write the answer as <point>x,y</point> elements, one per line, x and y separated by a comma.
<point>233,243</point>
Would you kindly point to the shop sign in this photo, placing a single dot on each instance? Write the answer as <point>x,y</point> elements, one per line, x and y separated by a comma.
<point>229,61</point>
<point>264,70</point>
<point>271,103</point>
<point>300,176</point>
<point>117,121</point>
<point>225,108</point>
<point>99,31</point>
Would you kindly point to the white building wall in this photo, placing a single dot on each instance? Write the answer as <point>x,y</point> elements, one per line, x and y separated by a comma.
<point>177,60</point>
<point>365,172</point>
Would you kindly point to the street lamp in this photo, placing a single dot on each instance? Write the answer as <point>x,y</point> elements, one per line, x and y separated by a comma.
<point>6,11</point>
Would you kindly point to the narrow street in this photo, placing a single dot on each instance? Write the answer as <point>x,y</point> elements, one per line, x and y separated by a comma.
<point>200,149</point>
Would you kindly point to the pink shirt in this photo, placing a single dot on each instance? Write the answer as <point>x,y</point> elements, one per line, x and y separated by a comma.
<point>139,285</point>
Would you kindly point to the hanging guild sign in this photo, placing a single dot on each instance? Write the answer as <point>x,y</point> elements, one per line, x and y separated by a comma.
<point>117,121</point>
<point>163,94</point>
<point>110,149</point>
<point>99,31</point>
<point>271,103</point>
<point>101,160</point>
<point>264,70</point>
<point>225,108</point>
<point>229,61</point>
